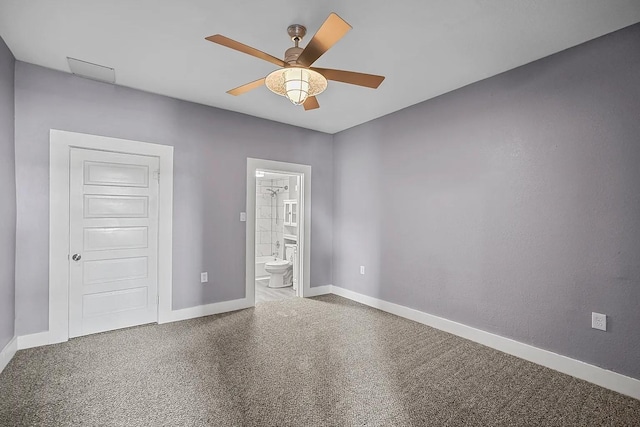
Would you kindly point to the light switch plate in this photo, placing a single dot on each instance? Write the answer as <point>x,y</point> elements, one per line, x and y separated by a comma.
<point>204,277</point>
<point>362,269</point>
<point>243,216</point>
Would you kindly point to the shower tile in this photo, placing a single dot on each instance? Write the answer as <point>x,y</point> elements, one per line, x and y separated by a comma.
<point>265,237</point>
<point>265,212</point>
<point>263,224</point>
<point>263,250</point>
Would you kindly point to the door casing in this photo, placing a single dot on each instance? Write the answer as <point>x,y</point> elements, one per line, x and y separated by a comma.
<point>61,143</point>
<point>304,222</point>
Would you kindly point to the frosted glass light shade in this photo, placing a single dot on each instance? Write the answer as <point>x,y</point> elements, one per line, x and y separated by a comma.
<point>296,83</point>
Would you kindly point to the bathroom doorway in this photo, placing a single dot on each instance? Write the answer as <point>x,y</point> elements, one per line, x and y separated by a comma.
<point>277,256</point>
<point>276,236</point>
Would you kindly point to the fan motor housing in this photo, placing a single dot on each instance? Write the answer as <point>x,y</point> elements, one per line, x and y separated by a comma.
<point>291,55</point>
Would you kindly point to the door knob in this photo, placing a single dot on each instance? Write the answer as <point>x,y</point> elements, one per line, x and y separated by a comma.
<point>76,257</point>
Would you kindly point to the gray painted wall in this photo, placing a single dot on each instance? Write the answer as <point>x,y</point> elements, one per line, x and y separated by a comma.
<point>8,192</point>
<point>211,150</point>
<point>511,205</point>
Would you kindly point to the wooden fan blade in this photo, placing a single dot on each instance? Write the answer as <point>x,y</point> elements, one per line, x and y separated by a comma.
<point>351,77</point>
<point>332,30</point>
<point>246,88</point>
<point>232,44</point>
<point>311,103</point>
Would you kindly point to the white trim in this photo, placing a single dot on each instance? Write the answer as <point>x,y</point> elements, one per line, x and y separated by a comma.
<point>209,309</point>
<point>34,340</point>
<point>304,238</point>
<point>318,290</point>
<point>60,144</point>
<point>593,374</point>
<point>8,352</point>
<point>40,339</point>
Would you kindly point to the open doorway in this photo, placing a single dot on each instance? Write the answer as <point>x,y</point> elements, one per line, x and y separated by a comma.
<point>278,224</point>
<point>276,236</point>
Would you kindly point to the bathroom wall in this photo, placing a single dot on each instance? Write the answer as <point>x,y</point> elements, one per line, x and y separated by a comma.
<point>210,163</point>
<point>8,192</point>
<point>269,216</point>
<point>277,218</point>
<point>293,187</point>
<point>263,217</point>
<point>511,205</point>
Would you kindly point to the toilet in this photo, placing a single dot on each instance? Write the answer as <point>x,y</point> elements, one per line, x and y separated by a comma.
<point>277,270</point>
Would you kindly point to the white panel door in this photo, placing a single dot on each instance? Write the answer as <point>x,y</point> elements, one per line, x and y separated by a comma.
<point>113,254</point>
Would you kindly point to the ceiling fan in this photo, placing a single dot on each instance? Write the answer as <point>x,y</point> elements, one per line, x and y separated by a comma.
<point>297,80</point>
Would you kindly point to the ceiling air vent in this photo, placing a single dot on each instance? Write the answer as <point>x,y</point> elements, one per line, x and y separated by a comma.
<point>92,71</point>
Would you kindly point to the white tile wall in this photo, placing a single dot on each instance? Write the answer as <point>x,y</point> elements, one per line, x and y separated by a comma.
<point>263,249</point>
<point>270,216</point>
<point>263,217</point>
<point>263,224</point>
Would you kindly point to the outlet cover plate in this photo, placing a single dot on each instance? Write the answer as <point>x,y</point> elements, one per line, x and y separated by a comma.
<point>599,321</point>
<point>204,277</point>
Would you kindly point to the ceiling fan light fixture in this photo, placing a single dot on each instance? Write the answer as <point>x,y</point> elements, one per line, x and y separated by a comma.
<point>296,83</point>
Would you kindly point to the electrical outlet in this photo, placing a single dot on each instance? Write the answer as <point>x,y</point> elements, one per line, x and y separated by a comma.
<point>243,216</point>
<point>599,321</point>
<point>204,277</point>
<point>362,269</point>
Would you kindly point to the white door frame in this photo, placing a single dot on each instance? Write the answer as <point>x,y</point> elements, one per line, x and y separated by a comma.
<point>61,143</point>
<point>304,237</point>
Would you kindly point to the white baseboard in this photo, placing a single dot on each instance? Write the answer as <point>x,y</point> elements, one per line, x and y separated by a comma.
<point>45,338</point>
<point>318,290</point>
<point>207,310</point>
<point>34,340</point>
<point>584,371</point>
<point>8,352</point>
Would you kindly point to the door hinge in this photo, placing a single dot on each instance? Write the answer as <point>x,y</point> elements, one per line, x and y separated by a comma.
<point>156,175</point>
<point>157,299</point>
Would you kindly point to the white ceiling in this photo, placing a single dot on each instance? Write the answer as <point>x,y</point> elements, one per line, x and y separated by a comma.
<point>423,47</point>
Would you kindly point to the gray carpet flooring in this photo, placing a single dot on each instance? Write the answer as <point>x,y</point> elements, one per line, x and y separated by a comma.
<point>325,361</point>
